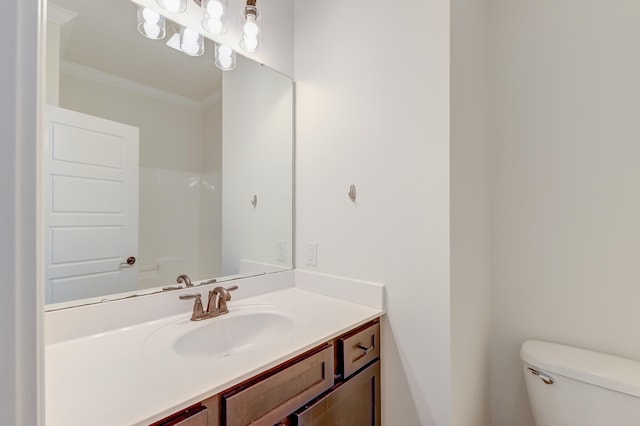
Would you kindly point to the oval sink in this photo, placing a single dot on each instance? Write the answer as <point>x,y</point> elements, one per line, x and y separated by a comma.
<point>239,331</point>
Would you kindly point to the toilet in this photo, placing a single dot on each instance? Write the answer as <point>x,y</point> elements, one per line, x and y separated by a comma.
<point>569,386</point>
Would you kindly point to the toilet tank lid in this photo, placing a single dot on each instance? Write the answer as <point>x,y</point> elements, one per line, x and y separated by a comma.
<point>607,371</point>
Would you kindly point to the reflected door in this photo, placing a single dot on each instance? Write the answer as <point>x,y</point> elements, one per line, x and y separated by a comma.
<point>91,205</point>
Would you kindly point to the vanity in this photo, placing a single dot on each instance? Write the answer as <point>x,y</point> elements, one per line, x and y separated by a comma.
<point>285,354</point>
<point>337,382</point>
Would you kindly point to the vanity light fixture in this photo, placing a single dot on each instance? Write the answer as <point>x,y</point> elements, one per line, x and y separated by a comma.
<point>250,23</point>
<point>225,57</point>
<point>151,24</point>
<point>175,6</point>
<point>215,16</point>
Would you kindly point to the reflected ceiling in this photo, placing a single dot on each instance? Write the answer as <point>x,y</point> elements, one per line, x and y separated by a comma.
<point>105,37</point>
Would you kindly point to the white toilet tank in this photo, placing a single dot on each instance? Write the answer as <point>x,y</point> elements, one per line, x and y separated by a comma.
<point>575,387</point>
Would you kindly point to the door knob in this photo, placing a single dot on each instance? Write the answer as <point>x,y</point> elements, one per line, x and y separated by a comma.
<point>130,262</point>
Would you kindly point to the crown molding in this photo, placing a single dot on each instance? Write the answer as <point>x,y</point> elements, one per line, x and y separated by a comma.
<point>59,15</point>
<point>83,71</point>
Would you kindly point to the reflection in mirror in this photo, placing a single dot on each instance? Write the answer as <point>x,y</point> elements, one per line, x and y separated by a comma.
<point>156,164</point>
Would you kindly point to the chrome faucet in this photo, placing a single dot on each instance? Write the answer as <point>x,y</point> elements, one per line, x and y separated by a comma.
<point>219,296</point>
<point>184,278</point>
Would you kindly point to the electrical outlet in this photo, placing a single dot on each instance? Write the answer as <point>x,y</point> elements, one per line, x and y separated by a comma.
<point>281,253</point>
<point>312,254</point>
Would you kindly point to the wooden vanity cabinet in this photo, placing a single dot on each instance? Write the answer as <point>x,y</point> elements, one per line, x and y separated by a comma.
<point>336,383</point>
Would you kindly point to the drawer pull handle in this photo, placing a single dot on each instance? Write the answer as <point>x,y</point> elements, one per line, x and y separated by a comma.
<point>365,349</point>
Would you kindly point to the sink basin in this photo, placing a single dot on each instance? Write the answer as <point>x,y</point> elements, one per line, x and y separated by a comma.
<point>241,330</point>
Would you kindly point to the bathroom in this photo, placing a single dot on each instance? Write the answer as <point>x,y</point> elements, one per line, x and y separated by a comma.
<point>495,170</point>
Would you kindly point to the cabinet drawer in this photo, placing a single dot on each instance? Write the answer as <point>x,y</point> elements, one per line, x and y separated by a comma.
<point>359,348</point>
<point>355,402</point>
<point>275,397</point>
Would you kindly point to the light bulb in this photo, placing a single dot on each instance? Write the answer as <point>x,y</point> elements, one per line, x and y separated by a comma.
<point>172,5</point>
<point>225,57</point>
<point>190,48</point>
<point>190,36</point>
<point>150,16</point>
<point>214,26</point>
<point>225,61</point>
<point>215,9</point>
<point>151,29</point>
<point>225,51</point>
<point>150,24</point>
<point>250,23</point>
<point>250,43</point>
<point>251,29</point>
<point>191,42</point>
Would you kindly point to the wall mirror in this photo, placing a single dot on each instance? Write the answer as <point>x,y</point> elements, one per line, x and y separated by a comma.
<point>157,164</point>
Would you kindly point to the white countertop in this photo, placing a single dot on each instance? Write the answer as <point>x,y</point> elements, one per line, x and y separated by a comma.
<point>113,379</point>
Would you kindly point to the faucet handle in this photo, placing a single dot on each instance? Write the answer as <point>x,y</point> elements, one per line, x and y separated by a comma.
<point>198,310</point>
<point>190,296</point>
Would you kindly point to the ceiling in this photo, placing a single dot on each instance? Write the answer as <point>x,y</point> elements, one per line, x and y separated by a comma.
<point>104,36</point>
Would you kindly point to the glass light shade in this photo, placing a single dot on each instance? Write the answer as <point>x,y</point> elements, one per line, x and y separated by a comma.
<point>251,25</point>
<point>191,42</point>
<point>175,6</point>
<point>215,16</point>
<point>151,24</point>
<point>225,57</point>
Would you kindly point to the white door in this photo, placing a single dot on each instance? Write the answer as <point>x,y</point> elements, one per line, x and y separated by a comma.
<point>91,205</point>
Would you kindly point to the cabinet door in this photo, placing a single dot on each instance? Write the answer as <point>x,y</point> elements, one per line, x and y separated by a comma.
<point>355,402</point>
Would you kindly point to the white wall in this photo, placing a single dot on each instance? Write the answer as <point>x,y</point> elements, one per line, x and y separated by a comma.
<point>21,304</point>
<point>565,181</point>
<point>372,110</point>
<point>470,256</point>
<point>257,156</point>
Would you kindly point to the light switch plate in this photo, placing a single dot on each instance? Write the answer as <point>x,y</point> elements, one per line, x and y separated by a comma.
<point>312,254</point>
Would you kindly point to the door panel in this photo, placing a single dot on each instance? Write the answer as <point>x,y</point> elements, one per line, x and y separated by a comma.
<point>97,148</point>
<point>97,196</point>
<point>77,244</point>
